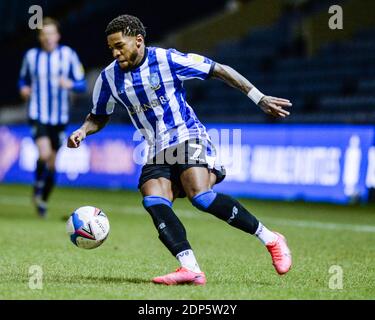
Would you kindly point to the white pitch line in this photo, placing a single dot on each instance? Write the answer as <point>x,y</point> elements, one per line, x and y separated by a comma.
<point>13,200</point>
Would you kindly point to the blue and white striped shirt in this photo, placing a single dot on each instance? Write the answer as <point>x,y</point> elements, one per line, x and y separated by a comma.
<point>49,103</point>
<point>154,96</point>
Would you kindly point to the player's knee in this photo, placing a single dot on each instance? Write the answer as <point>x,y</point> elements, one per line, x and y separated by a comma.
<point>44,157</point>
<point>193,191</point>
<point>204,199</point>
<point>157,187</point>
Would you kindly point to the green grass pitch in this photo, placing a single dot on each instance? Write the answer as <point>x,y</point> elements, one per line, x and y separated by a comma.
<point>324,239</point>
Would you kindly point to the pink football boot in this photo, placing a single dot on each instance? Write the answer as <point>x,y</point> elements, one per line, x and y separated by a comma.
<point>181,276</point>
<point>280,253</point>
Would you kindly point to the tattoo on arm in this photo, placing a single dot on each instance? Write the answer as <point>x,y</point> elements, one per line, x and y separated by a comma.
<point>231,77</point>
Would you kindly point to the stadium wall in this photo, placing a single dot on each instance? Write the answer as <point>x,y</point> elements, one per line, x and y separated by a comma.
<point>229,25</point>
<point>355,18</point>
<point>286,162</point>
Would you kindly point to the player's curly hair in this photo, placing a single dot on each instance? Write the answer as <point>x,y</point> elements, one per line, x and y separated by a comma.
<point>127,24</point>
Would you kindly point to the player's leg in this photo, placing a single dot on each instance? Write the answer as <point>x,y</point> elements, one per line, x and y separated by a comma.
<point>156,188</point>
<point>178,191</point>
<point>56,135</point>
<point>196,183</point>
<point>45,151</point>
<point>50,175</point>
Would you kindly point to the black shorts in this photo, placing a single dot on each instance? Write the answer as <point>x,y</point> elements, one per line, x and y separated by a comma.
<point>56,133</point>
<point>171,162</point>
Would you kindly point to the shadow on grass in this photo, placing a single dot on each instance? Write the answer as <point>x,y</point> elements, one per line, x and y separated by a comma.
<point>100,280</point>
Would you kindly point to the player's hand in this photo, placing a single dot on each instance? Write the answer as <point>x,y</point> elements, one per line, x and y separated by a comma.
<point>65,83</point>
<point>76,138</point>
<point>275,106</point>
<point>25,93</point>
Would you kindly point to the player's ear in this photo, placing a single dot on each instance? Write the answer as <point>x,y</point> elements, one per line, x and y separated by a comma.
<point>139,40</point>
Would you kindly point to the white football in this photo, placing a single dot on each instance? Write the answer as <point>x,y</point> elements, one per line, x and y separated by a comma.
<point>88,227</point>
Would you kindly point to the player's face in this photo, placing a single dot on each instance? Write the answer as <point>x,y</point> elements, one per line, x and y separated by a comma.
<point>49,37</point>
<point>127,50</point>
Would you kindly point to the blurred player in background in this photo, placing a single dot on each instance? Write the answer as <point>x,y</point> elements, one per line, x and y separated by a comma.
<point>47,74</point>
<point>148,82</point>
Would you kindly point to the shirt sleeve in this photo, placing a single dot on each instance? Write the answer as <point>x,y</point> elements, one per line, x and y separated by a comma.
<point>25,76</point>
<point>77,73</point>
<point>190,66</point>
<point>103,101</point>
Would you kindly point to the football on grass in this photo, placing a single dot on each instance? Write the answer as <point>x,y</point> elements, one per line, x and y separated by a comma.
<point>88,227</point>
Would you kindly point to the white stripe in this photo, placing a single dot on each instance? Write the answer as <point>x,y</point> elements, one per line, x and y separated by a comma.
<point>21,201</point>
<point>132,96</point>
<point>54,78</point>
<point>43,87</point>
<point>31,55</point>
<point>33,106</point>
<point>110,74</point>
<point>161,135</point>
<point>167,80</point>
<point>64,106</point>
<point>66,57</point>
<point>76,66</point>
<point>189,62</point>
<point>96,94</point>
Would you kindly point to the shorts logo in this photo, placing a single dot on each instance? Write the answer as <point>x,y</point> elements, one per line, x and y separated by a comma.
<point>154,81</point>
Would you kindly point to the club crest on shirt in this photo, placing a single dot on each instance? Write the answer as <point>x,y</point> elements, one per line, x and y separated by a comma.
<point>154,81</point>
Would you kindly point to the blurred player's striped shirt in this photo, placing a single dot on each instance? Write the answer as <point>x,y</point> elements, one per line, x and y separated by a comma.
<point>49,103</point>
<point>154,96</point>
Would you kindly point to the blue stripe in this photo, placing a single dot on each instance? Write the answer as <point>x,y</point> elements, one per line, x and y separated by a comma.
<point>210,150</point>
<point>59,90</point>
<point>22,83</point>
<point>120,87</point>
<point>179,90</point>
<point>187,114</point>
<point>204,199</point>
<point>70,73</point>
<point>192,115</point>
<point>149,201</point>
<point>25,79</point>
<point>154,68</point>
<point>77,222</point>
<point>37,83</point>
<point>49,87</point>
<point>143,99</point>
<point>189,72</point>
<point>79,86</point>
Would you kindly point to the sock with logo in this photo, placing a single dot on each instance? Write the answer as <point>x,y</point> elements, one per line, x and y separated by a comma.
<point>226,208</point>
<point>171,231</point>
<point>264,235</point>
<point>188,261</point>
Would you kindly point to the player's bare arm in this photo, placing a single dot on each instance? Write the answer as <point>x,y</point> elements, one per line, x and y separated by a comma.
<point>271,105</point>
<point>92,124</point>
<point>25,93</point>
